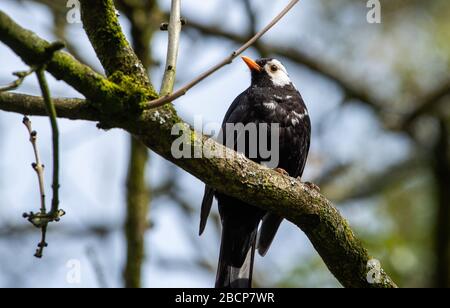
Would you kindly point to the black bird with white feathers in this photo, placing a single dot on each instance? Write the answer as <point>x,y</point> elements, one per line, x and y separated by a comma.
<point>271,98</point>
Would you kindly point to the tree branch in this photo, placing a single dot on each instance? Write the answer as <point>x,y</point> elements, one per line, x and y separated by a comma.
<point>43,218</point>
<point>62,66</point>
<point>38,167</point>
<point>112,48</point>
<point>69,108</point>
<point>251,16</point>
<point>16,83</point>
<point>262,187</point>
<point>136,222</point>
<point>183,90</point>
<point>243,179</point>
<point>144,17</point>
<point>51,111</point>
<point>172,48</point>
<point>350,87</point>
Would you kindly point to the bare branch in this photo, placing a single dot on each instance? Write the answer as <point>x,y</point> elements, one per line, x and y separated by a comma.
<point>37,165</point>
<point>70,108</point>
<point>172,48</point>
<point>94,259</point>
<point>33,51</point>
<point>42,219</point>
<point>55,137</point>
<point>20,78</point>
<point>251,17</point>
<point>183,90</point>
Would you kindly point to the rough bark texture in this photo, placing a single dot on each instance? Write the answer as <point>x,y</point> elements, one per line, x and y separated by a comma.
<point>238,177</point>
<point>114,52</point>
<point>69,108</point>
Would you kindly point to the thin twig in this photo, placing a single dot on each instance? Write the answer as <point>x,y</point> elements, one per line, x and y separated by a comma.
<point>55,137</point>
<point>42,219</point>
<point>169,98</point>
<point>37,166</point>
<point>20,78</point>
<point>38,220</point>
<point>172,48</point>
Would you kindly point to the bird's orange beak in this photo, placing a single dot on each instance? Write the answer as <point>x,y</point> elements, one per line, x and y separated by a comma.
<point>251,64</point>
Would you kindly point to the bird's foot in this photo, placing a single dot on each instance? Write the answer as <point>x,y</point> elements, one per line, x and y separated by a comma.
<point>281,171</point>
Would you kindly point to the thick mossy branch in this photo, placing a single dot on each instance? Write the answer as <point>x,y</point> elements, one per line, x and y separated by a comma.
<point>63,66</point>
<point>321,222</point>
<point>102,26</point>
<point>119,95</point>
<point>239,177</point>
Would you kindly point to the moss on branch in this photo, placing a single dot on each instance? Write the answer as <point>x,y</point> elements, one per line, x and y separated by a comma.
<point>63,66</point>
<point>102,26</point>
<point>69,108</point>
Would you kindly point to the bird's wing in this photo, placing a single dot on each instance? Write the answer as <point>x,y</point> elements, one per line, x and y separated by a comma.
<point>206,207</point>
<point>269,227</point>
<point>236,113</point>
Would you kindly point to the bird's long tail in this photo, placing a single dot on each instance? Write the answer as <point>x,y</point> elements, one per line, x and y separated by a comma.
<point>237,252</point>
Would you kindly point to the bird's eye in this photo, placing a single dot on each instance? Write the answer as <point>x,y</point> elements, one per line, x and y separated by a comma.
<point>273,68</point>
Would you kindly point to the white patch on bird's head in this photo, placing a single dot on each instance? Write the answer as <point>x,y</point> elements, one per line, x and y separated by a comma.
<point>277,73</point>
<point>270,105</point>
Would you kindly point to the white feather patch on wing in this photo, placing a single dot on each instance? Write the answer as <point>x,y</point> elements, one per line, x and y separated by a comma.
<point>270,105</point>
<point>297,117</point>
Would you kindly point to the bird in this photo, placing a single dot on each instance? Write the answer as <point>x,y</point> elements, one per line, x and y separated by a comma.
<point>270,98</point>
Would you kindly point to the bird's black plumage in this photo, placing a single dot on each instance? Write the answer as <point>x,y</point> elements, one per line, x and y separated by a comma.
<point>271,98</point>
